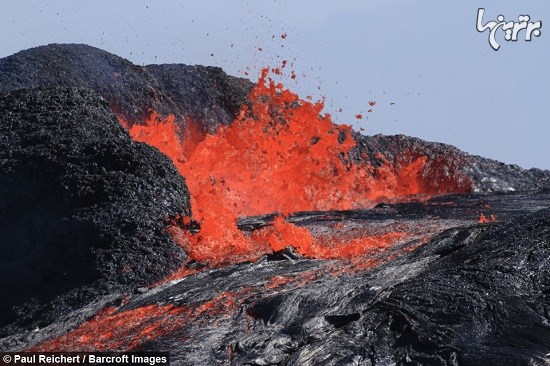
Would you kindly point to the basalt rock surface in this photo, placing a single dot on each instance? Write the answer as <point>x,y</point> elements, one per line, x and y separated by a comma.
<point>191,93</point>
<point>82,206</point>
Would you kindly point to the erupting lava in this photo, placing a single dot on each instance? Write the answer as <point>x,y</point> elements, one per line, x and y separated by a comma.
<point>279,155</point>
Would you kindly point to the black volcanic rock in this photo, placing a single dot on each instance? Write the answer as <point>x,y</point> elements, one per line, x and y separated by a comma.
<point>483,299</point>
<point>472,296</point>
<point>82,206</point>
<point>206,95</point>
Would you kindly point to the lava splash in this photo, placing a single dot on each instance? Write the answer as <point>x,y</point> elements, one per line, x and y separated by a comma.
<point>279,155</point>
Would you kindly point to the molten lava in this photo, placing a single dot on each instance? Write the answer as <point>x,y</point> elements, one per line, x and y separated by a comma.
<point>484,219</point>
<point>282,234</point>
<point>110,330</point>
<point>279,155</point>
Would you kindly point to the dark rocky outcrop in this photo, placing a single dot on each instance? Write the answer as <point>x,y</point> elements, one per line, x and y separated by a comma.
<point>485,175</point>
<point>205,95</point>
<point>82,206</point>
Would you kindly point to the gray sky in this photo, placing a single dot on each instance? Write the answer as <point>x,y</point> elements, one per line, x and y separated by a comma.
<point>424,56</point>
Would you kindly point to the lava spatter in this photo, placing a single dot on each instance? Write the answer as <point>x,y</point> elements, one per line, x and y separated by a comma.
<point>279,155</point>
<point>484,219</point>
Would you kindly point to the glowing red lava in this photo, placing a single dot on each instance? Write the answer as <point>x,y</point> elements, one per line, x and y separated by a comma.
<point>279,155</point>
<point>282,234</point>
<point>110,330</point>
<point>484,219</point>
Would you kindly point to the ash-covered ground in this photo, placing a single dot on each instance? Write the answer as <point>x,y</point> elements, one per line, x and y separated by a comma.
<point>453,270</point>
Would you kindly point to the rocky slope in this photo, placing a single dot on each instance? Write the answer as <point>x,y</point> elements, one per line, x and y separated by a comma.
<point>485,175</point>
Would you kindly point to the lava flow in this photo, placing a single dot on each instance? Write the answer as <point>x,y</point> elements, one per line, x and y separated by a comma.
<point>279,155</point>
<point>112,330</point>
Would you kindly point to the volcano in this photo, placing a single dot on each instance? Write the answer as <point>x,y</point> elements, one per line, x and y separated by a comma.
<point>177,208</point>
